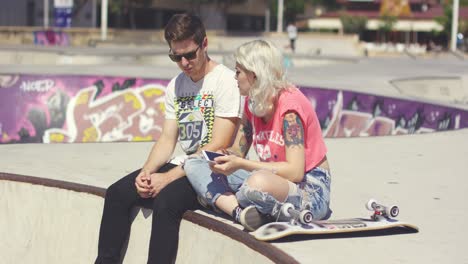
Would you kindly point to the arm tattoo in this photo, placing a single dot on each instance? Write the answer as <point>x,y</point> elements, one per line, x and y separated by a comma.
<point>293,130</point>
<point>246,137</point>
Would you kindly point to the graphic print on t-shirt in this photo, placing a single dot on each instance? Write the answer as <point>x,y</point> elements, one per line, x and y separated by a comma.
<point>267,144</point>
<point>195,117</point>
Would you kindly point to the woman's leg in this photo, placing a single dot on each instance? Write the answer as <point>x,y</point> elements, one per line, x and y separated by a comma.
<point>216,189</point>
<point>266,190</point>
<point>115,224</point>
<point>315,193</point>
<point>208,185</point>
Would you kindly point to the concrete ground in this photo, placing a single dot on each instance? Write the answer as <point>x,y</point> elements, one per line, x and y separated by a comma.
<point>424,174</point>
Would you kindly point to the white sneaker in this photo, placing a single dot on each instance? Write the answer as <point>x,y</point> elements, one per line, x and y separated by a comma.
<point>252,219</point>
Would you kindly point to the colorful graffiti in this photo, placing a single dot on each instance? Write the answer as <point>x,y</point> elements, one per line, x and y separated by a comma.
<point>51,109</point>
<point>351,114</point>
<point>41,108</point>
<point>51,38</point>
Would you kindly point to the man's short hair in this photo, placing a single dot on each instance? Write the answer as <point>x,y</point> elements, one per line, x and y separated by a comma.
<point>183,27</point>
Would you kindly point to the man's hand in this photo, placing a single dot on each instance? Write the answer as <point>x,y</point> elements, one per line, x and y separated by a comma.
<point>158,182</point>
<point>142,183</point>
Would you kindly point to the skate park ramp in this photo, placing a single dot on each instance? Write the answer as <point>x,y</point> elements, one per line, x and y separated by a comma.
<point>49,222</point>
<point>55,222</point>
<point>382,143</point>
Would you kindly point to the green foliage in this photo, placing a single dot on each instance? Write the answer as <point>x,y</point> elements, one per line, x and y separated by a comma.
<point>388,21</point>
<point>294,7</point>
<point>291,8</point>
<point>123,6</point>
<point>445,20</point>
<point>328,4</point>
<point>353,24</point>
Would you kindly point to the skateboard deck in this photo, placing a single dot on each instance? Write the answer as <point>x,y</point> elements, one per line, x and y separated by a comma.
<point>276,230</point>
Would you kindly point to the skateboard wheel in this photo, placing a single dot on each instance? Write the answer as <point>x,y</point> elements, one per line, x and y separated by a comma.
<point>285,209</point>
<point>371,204</point>
<point>306,217</point>
<point>392,211</point>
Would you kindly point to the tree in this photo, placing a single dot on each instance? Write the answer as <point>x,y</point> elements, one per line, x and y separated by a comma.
<point>123,8</point>
<point>353,24</point>
<point>386,24</point>
<point>328,4</point>
<point>445,21</point>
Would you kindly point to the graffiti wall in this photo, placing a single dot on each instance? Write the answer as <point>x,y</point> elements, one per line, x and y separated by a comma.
<point>51,38</point>
<point>42,108</point>
<point>51,109</point>
<point>351,114</point>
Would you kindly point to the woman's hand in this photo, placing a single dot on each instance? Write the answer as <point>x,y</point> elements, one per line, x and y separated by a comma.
<point>226,164</point>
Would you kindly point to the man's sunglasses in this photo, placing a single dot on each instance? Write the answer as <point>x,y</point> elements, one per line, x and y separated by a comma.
<point>188,56</point>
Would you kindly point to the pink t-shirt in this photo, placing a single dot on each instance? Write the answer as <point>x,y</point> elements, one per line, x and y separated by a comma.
<point>268,138</point>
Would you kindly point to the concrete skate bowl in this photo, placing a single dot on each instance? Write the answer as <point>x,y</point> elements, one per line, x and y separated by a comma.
<point>440,88</point>
<point>52,221</point>
<point>150,56</point>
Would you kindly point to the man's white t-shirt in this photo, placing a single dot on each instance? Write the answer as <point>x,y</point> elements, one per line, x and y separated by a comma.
<point>292,31</point>
<point>195,104</point>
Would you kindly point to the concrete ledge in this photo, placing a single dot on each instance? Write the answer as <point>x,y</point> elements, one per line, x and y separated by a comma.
<point>43,215</point>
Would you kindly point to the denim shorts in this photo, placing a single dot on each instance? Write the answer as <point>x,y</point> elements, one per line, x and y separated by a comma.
<point>312,193</point>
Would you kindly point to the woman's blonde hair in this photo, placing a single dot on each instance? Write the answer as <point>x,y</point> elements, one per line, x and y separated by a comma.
<point>266,61</point>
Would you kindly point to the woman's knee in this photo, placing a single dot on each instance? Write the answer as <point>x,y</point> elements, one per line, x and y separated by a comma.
<point>248,195</point>
<point>258,180</point>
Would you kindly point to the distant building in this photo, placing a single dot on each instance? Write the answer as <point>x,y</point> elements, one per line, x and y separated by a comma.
<point>248,16</point>
<point>31,13</point>
<point>416,19</point>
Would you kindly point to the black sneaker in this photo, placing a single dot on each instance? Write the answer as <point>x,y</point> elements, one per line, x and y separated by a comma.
<point>204,203</point>
<point>252,219</point>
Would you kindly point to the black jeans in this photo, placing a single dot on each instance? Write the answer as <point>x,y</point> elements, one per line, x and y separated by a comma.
<point>168,207</point>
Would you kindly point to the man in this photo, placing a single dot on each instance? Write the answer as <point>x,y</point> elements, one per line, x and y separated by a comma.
<point>202,112</point>
<point>292,34</point>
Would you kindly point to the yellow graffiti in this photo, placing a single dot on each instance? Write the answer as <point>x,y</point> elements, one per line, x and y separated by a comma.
<point>90,134</point>
<point>147,138</point>
<point>132,98</point>
<point>56,137</point>
<point>5,137</point>
<point>152,91</point>
<point>83,98</point>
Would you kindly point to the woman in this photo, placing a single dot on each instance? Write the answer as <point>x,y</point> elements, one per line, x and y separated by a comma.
<point>283,127</point>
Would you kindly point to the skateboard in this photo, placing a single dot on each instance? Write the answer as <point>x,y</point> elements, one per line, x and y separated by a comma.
<point>301,223</point>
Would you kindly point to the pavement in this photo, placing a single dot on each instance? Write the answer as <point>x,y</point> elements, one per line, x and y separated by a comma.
<point>425,174</point>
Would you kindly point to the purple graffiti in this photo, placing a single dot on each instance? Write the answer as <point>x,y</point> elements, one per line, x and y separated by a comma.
<point>51,38</point>
<point>48,109</point>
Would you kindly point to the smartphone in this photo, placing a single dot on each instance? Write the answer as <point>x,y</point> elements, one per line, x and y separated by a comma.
<point>210,155</point>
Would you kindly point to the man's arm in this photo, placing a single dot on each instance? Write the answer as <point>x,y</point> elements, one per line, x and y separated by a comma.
<point>159,155</point>
<point>222,134</point>
<point>163,148</point>
<point>224,129</point>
